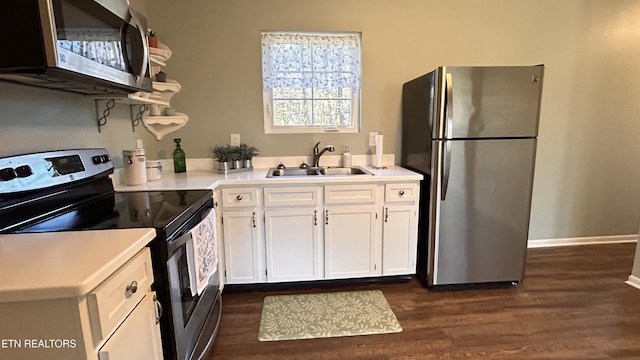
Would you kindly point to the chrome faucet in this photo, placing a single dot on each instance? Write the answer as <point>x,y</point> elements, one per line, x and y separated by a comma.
<point>317,153</point>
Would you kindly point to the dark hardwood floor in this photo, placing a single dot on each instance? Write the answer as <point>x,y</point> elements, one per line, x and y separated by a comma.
<point>573,304</point>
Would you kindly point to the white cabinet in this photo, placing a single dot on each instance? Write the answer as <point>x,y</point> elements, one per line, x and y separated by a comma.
<point>400,229</point>
<point>293,223</point>
<point>243,236</point>
<point>292,244</point>
<point>116,320</point>
<point>137,338</point>
<point>351,242</point>
<point>282,233</point>
<point>217,207</point>
<point>351,245</point>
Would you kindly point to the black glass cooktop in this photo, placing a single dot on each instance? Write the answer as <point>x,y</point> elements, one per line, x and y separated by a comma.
<point>162,210</point>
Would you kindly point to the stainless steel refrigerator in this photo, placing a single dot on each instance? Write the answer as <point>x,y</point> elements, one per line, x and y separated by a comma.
<point>472,132</point>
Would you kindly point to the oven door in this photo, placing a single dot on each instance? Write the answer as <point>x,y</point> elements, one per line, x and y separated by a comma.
<point>195,318</point>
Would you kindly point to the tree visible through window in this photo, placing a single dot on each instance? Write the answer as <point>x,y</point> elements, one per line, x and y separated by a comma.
<point>311,82</point>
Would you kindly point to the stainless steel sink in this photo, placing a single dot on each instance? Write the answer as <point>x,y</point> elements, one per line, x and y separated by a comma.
<point>322,171</point>
<point>293,172</point>
<point>344,171</point>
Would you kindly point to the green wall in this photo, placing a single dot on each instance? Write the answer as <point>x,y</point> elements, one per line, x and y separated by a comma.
<point>587,180</point>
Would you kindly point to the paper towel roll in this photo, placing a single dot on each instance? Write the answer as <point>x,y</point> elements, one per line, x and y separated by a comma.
<point>378,162</point>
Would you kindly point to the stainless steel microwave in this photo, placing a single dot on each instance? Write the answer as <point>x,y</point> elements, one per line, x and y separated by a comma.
<point>92,47</point>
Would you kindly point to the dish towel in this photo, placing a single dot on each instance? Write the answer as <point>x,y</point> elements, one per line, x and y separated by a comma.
<point>202,253</point>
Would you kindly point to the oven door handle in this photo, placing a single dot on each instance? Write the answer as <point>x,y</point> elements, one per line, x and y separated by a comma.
<point>177,243</point>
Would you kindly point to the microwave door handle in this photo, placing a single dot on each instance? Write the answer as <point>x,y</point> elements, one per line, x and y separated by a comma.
<point>145,57</point>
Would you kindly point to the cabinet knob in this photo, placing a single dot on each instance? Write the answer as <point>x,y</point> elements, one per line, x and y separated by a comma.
<point>133,287</point>
<point>401,192</point>
<point>239,197</point>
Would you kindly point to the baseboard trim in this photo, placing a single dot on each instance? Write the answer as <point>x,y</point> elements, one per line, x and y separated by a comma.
<point>614,239</point>
<point>634,281</point>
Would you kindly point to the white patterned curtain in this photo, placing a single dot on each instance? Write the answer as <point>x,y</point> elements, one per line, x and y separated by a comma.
<point>311,61</point>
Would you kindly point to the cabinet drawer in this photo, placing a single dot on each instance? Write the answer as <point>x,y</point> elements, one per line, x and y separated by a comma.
<point>239,197</point>
<point>401,192</point>
<point>350,194</point>
<point>112,301</point>
<point>291,196</point>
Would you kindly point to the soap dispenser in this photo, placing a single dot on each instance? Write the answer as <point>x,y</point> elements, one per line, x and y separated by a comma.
<point>346,157</point>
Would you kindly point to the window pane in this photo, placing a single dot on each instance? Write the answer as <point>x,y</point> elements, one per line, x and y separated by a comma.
<point>344,93</point>
<point>291,112</point>
<point>332,112</point>
<point>291,93</point>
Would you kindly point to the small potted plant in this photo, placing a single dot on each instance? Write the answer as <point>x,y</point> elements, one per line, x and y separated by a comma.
<point>236,157</point>
<point>153,39</point>
<point>222,154</point>
<point>248,152</point>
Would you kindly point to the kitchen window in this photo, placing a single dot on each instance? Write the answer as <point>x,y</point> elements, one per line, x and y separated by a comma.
<point>311,82</point>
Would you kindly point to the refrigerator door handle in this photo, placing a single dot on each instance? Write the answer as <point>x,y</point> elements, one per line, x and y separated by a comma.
<point>449,106</point>
<point>446,154</point>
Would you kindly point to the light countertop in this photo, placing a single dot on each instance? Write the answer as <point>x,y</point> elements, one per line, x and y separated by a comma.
<point>210,179</point>
<point>64,264</point>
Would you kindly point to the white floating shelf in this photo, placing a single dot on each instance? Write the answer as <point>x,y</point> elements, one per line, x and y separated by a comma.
<point>161,53</point>
<point>135,98</point>
<point>163,91</point>
<point>156,60</point>
<point>160,126</point>
<point>169,85</point>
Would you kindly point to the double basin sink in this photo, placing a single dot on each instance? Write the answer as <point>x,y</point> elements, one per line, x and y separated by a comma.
<point>321,171</point>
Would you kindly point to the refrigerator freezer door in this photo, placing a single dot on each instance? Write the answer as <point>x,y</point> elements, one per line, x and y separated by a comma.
<point>491,102</point>
<point>482,225</point>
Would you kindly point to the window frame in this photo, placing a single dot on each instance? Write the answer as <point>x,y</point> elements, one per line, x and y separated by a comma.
<point>356,94</point>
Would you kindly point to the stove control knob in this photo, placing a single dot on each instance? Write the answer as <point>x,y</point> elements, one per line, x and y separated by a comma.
<point>24,171</point>
<point>96,159</point>
<point>7,174</point>
<point>105,158</point>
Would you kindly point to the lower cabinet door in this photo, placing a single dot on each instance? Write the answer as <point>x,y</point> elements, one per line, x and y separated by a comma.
<point>138,337</point>
<point>399,240</point>
<point>352,248</point>
<point>243,247</point>
<point>293,244</point>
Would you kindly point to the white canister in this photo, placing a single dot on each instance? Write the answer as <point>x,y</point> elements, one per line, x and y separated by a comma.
<point>154,170</point>
<point>134,163</point>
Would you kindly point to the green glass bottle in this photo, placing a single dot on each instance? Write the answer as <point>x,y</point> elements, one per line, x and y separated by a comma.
<point>179,158</point>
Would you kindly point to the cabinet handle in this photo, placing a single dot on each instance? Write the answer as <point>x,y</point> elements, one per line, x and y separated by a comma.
<point>386,214</point>
<point>239,197</point>
<point>326,217</point>
<point>133,287</point>
<point>159,307</point>
<point>253,219</point>
<point>315,217</point>
<point>401,192</point>
<point>215,203</point>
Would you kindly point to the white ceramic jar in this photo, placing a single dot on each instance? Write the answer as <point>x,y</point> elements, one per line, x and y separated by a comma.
<point>154,170</point>
<point>134,163</point>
